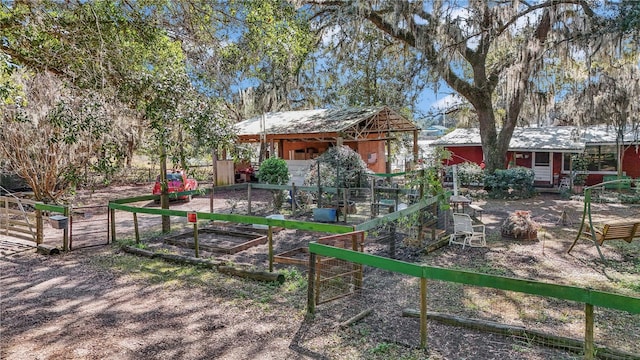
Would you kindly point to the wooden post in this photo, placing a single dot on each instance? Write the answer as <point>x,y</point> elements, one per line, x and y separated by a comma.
<point>270,239</point>
<point>319,197</point>
<point>589,349</point>
<point>416,150</point>
<point>214,176</point>
<point>195,238</point>
<point>164,197</point>
<point>423,313</point>
<point>293,198</point>
<point>112,216</point>
<point>248,198</point>
<point>70,222</point>
<point>356,246</point>
<point>392,239</point>
<point>135,227</point>
<point>311,301</point>
<point>388,160</point>
<point>345,208</point>
<point>421,227</point>
<point>65,234</point>
<point>374,199</point>
<point>397,198</point>
<point>39,227</point>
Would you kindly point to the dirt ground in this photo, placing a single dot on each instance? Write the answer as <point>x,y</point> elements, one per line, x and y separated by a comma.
<point>100,303</point>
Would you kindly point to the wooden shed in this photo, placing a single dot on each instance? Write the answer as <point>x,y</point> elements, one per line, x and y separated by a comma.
<point>303,135</point>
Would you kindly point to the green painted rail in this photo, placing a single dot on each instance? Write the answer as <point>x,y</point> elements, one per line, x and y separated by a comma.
<point>587,296</point>
<point>244,219</point>
<point>374,223</point>
<point>49,207</point>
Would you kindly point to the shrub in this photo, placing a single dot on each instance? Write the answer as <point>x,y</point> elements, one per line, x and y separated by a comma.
<point>339,166</point>
<point>514,183</point>
<point>470,174</point>
<point>276,172</point>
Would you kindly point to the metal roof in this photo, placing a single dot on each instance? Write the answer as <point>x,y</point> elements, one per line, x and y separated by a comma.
<point>350,122</point>
<point>550,138</point>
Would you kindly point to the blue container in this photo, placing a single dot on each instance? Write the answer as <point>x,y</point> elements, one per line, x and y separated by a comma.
<point>324,215</point>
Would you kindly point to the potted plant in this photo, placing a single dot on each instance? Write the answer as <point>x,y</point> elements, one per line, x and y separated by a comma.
<point>519,225</point>
<point>579,167</point>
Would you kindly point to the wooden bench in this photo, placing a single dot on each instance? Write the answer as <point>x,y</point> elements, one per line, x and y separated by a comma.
<point>624,232</point>
<point>619,231</point>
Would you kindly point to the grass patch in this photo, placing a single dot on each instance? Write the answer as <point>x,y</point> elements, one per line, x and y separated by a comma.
<point>157,271</point>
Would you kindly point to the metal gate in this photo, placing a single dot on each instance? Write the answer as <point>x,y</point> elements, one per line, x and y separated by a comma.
<point>88,226</point>
<point>337,278</point>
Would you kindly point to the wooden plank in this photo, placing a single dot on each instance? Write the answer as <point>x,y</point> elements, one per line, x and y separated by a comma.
<point>23,237</point>
<point>17,212</point>
<point>20,230</point>
<point>20,223</point>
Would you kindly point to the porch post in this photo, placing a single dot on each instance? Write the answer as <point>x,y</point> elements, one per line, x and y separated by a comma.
<point>415,150</point>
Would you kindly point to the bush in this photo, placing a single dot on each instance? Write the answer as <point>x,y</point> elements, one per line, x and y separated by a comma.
<point>274,171</point>
<point>514,183</point>
<point>470,174</point>
<point>339,166</point>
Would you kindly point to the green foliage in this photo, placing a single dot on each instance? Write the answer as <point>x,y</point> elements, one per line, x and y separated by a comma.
<point>274,171</point>
<point>470,174</point>
<point>382,348</point>
<point>513,183</point>
<point>340,166</point>
<point>579,167</point>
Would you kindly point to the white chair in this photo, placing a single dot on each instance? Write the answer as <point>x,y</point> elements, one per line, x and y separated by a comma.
<point>465,233</point>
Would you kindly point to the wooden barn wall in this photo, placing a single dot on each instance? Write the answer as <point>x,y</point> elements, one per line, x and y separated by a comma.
<point>631,162</point>
<point>461,154</point>
<point>373,154</point>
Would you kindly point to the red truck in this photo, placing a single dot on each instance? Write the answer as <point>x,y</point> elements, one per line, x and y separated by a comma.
<point>177,181</point>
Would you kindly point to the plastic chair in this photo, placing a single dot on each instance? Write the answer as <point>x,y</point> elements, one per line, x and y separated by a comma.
<point>465,233</point>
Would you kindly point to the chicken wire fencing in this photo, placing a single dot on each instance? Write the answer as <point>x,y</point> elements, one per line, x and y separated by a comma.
<point>366,304</point>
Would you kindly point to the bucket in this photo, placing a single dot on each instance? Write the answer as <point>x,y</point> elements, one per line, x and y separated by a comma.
<point>324,215</point>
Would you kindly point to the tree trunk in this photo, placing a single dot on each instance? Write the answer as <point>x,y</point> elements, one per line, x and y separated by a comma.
<point>494,153</point>
<point>164,197</point>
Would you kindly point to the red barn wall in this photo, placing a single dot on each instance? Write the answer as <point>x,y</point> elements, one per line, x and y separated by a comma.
<point>631,162</point>
<point>373,154</point>
<point>375,163</point>
<point>461,154</point>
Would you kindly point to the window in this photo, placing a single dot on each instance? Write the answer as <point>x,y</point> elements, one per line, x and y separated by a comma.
<point>542,159</point>
<point>600,158</point>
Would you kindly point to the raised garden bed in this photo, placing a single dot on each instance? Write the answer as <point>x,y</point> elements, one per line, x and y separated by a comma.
<point>217,240</point>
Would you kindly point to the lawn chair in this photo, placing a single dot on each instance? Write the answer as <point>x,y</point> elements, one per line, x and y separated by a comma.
<point>465,233</point>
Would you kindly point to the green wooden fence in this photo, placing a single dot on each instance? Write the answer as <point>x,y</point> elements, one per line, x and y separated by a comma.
<point>588,297</point>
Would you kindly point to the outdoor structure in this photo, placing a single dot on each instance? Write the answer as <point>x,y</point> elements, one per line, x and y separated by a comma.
<point>303,135</point>
<point>548,150</point>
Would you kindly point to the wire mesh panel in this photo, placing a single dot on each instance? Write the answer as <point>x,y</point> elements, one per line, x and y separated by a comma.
<point>89,226</point>
<point>462,321</point>
<point>338,278</point>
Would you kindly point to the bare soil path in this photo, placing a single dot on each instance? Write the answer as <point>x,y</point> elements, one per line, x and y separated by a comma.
<point>100,303</point>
